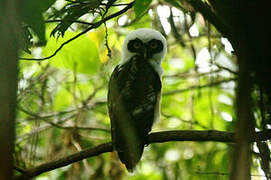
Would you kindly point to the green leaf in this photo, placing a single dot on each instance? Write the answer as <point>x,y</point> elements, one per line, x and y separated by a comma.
<point>31,14</point>
<point>141,7</point>
<point>71,12</point>
<point>26,39</point>
<point>80,55</point>
<point>36,23</point>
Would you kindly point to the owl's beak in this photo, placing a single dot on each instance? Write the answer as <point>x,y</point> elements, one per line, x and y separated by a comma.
<point>145,53</point>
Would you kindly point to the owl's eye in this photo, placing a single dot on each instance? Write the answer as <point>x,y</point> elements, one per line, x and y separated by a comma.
<point>153,44</point>
<point>137,45</point>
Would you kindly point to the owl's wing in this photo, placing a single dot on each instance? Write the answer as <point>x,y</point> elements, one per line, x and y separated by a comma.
<point>120,116</point>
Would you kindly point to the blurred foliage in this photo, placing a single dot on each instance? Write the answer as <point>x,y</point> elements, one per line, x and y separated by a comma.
<point>62,101</point>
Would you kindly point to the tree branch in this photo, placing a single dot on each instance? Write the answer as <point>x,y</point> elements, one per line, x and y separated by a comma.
<point>93,26</point>
<point>155,137</point>
<point>206,11</point>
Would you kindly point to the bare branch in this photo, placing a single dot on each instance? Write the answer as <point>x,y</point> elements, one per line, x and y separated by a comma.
<point>226,68</point>
<point>155,137</point>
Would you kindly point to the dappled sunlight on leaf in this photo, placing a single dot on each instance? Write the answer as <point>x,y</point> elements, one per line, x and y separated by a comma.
<point>81,55</point>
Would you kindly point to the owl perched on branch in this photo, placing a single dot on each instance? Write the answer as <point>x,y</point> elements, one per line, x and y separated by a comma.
<point>134,93</point>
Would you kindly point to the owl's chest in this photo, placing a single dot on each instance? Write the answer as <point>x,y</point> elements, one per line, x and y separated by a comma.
<point>138,81</point>
<point>140,75</point>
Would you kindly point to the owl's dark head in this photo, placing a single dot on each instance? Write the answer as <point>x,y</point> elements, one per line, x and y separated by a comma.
<point>145,49</point>
<point>145,42</point>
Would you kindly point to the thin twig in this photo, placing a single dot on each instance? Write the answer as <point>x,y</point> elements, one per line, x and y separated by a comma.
<point>19,169</point>
<point>189,74</point>
<point>63,127</point>
<point>106,41</point>
<point>77,21</point>
<point>106,34</point>
<point>80,127</point>
<point>225,68</point>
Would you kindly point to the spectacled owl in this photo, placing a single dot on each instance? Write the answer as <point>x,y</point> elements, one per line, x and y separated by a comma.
<point>134,93</point>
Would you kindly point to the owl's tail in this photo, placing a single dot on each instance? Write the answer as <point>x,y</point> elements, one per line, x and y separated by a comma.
<point>131,155</point>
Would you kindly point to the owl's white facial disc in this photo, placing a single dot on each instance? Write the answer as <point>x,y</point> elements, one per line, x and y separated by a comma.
<point>145,35</point>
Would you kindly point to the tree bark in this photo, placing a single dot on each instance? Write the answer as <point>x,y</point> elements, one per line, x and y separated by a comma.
<point>8,90</point>
<point>244,128</point>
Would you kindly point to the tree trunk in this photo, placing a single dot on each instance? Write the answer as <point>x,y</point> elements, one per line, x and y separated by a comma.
<point>244,128</point>
<point>245,24</point>
<point>8,79</point>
